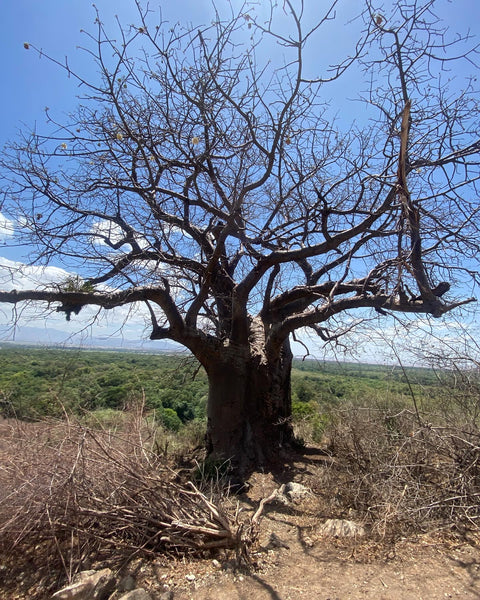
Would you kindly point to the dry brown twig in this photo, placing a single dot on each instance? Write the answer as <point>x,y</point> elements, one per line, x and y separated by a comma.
<point>399,477</point>
<point>76,492</point>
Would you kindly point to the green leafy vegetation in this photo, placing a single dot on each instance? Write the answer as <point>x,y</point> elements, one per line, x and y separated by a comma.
<point>46,382</point>
<point>38,382</point>
<point>320,388</point>
<point>76,284</point>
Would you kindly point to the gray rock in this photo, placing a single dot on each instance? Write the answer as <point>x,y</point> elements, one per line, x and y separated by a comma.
<point>127,584</point>
<point>308,542</point>
<point>342,528</point>
<point>138,594</point>
<point>294,491</point>
<point>88,585</point>
<point>280,498</point>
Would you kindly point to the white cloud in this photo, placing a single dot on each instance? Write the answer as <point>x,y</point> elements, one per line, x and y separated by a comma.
<point>180,232</point>
<point>7,227</point>
<point>111,231</point>
<point>125,322</point>
<point>15,275</point>
<point>106,229</point>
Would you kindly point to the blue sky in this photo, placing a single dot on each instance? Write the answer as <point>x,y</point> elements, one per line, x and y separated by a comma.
<point>29,84</point>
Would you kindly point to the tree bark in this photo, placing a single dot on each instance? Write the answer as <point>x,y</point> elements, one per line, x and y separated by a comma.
<point>249,408</point>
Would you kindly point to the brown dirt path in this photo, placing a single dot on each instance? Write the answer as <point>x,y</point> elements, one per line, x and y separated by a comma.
<point>428,574</point>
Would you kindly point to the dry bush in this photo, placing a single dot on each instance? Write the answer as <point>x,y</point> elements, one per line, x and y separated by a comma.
<point>70,495</point>
<point>401,475</point>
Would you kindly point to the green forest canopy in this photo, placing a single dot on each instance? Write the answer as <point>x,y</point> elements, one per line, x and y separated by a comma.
<point>37,382</point>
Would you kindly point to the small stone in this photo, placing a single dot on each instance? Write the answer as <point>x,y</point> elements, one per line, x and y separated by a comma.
<point>295,491</point>
<point>308,542</point>
<point>190,577</point>
<point>216,564</point>
<point>342,528</point>
<point>127,584</point>
<point>281,499</point>
<point>88,585</point>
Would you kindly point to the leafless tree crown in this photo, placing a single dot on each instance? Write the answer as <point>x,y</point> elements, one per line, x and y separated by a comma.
<point>204,174</point>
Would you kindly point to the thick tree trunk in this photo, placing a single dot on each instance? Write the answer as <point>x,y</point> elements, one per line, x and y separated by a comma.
<point>249,408</point>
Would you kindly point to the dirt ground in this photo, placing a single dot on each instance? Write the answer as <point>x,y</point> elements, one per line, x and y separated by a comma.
<point>421,573</point>
<point>294,560</point>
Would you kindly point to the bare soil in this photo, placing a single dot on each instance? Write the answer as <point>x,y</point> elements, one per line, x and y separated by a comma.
<point>324,573</point>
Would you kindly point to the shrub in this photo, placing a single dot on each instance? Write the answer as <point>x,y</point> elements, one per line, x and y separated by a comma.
<point>69,493</point>
<point>402,474</point>
<point>170,419</point>
<point>303,410</point>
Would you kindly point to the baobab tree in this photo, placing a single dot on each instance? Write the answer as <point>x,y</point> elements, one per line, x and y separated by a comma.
<point>203,176</point>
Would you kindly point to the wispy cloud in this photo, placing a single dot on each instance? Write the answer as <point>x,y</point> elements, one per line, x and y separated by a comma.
<point>15,275</point>
<point>106,230</point>
<point>125,322</point>
<point>7,227</point>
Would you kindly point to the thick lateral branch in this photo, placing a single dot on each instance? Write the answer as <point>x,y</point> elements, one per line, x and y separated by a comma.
<point>74,301</point>
<point>106,300</point>
<point>311,293</point>
<point>381,302</point>
<point>412,216</point>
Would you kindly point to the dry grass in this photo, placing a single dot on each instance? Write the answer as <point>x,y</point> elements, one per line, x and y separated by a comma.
<point>71,495</point>
<point>399,475</point>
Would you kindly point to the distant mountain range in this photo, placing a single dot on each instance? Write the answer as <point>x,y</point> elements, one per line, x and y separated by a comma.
<point>39,336</point>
